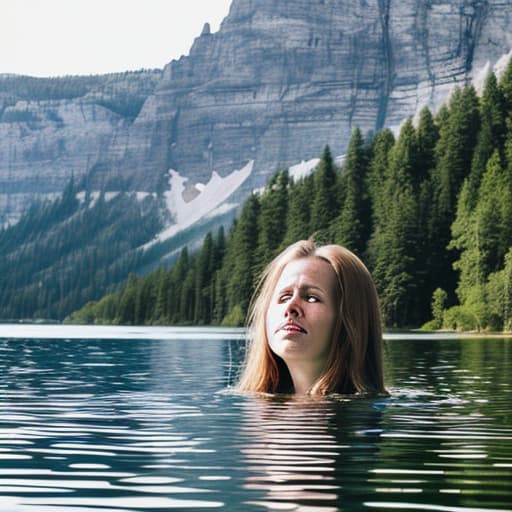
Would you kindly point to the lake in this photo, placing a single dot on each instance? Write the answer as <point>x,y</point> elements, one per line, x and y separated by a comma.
<point>112,419</point>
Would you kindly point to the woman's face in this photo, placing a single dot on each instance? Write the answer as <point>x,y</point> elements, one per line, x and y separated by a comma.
<point>302,313</point>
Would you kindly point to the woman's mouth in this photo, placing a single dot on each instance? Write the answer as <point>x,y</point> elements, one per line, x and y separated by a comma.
<point>292,327</point>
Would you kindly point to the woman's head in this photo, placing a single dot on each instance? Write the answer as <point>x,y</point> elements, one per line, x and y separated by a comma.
<point>315,309</point>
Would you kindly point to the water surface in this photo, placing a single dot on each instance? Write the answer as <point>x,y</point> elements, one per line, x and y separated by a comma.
<point>140,420</point>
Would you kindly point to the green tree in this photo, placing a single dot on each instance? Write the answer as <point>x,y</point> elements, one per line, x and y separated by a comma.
<point>483,236</point>
<point>237,270</point>
<point>493,214</point>
<point>204,271</point>
<point>378,174</point>
<point>466,237</point>
<point>439,298</point>
<point>459,125</point>
<point>392,248</point>
<point>177,278</point>
<point>164,283</point>
<point>324,205</point>
<point>219,248</point>
<point>427,136</point>
<point>128,300</point>
<point>271,225</point>
<point>492,130</point>
<point>506,90</point>
<point>299,210</point>
<point>499,296</point>
<point>187,296</point>
<point>458,136</point>
<point>352,226</point>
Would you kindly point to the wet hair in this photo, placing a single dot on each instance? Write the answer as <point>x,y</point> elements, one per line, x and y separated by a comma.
<point>354,363</point>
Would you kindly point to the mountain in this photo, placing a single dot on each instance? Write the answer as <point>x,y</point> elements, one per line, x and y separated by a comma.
<point>277,82</point>
<point>53,129</point>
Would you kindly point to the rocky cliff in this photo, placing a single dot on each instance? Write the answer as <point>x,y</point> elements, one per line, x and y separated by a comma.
<point>278,81</point>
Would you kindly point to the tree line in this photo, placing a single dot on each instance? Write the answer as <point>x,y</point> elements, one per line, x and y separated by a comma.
<point>428,210</point>
<point>64,253</point>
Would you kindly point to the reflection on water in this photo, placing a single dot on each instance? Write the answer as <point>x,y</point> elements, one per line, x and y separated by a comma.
<point>126,425</point>
<point>301,451</point>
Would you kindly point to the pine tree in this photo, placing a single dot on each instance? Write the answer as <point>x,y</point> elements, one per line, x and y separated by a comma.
<point>492,130</point>
<point>187,296</point>
<point>404,157</point>
<point>483,235</point>
<point>466,240</point>
<point>457,141</point>
<point>410,163</point>
<point>161,306</point>
<point>506,90</point>
<point>427,137</point>
<point>271,219</point>
<point>204,271</point>
<point>390,248</point>
<point>393,246</point>
<point>127,305</point>
<point>324,207</point>
<point>493,214</point>
<point>351,227</point>
<point>458,134</point>
<point>378,173</point>
<point>222,276</point>
<point>299,211</point>
<point>439,298</point>
<point>218,305</point>
<point>219,247</point>
<point>237,270</point>
<point>177,277</point>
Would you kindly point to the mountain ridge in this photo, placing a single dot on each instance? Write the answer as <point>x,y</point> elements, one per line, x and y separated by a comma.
<point>274,84</point>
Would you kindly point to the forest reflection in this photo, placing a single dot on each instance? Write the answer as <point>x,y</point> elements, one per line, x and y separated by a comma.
<point>301,452</point>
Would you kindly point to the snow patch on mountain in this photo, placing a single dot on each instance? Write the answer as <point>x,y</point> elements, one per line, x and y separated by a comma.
<point>306,167</point>
<point>209,200</point>
<point>221,210</point>
<point>480,75</point>
<point>303,168</point>
<point>501,64</point>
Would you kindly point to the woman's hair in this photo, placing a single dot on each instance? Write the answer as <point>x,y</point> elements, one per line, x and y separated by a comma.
<point>354,363</point>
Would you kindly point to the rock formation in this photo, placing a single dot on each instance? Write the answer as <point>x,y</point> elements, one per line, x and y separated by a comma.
<point>277,82</point>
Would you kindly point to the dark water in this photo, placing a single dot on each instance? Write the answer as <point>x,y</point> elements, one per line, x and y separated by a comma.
<point>126,425</point>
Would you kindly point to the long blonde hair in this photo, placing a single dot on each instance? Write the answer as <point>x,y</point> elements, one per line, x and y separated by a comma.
<point>354,363</point>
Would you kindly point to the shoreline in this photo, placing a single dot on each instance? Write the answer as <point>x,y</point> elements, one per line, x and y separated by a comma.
<point>91,331</point>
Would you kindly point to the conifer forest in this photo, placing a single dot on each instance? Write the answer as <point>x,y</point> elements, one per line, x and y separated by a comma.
<point>428,210</point>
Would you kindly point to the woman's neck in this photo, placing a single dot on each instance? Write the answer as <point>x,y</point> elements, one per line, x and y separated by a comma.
<point>304,377</point>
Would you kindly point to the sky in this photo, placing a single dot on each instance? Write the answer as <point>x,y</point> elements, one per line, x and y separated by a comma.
<point>82,37</point>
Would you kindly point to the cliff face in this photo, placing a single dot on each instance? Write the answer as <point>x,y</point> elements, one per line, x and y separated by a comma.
<point>53,129</point>
<point>277,82</point>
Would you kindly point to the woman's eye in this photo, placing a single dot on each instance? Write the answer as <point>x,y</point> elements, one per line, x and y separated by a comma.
<point>284,298</point>
<point>312,298</point>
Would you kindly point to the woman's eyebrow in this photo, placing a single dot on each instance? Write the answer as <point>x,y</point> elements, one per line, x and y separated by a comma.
<point>308,287</point>
<point>313,287</point>
<point>302,287</point>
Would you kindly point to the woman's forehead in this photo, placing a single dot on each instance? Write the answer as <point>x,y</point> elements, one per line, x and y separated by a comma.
<point>309,272</point>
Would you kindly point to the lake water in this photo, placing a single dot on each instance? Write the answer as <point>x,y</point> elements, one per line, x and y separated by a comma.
<point>134,419</point>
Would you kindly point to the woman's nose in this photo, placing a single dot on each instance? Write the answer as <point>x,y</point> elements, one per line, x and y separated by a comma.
<point>293,308</point>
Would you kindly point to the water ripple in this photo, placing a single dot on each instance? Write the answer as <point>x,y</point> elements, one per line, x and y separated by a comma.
<point>129,426</point>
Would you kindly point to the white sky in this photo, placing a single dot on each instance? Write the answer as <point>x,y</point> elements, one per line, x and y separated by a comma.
<point>77,37</point>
